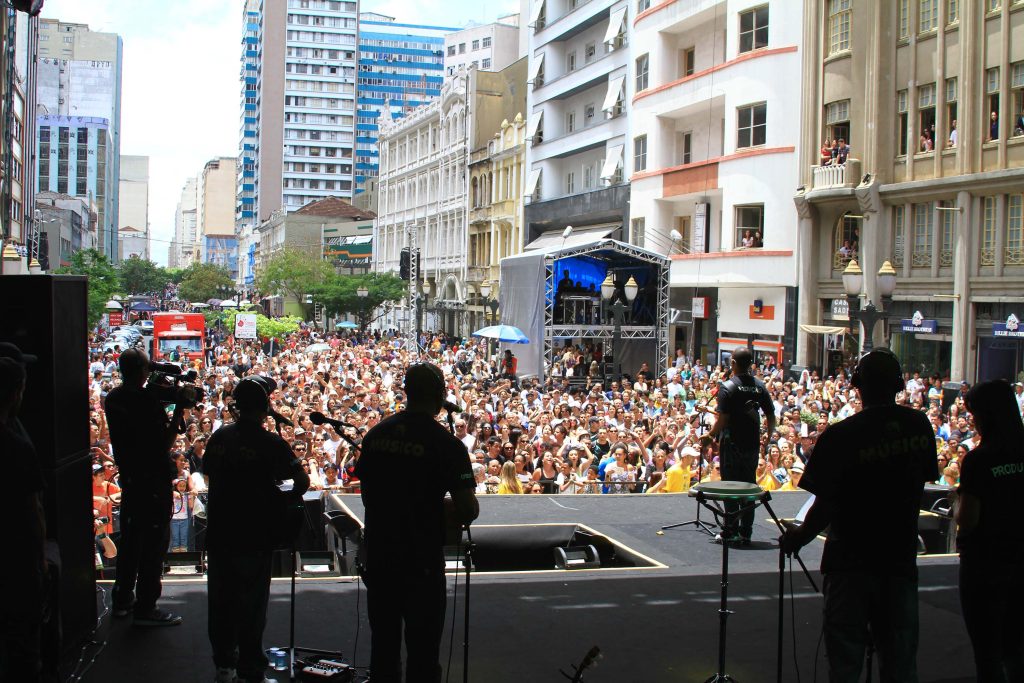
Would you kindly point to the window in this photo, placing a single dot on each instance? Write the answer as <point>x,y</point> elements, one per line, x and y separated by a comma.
<point>948,219</point>
<point>462,48</point>
<point>837,120</point>
<point>898,237</point>
<point>684,244</point>
<point>570,121</point>
<point>924,214</point>
<point>951,100</point>
<point>1017,88</point>
<point>753,29</point>
<point>751,125</point>
<point>589,52</point>
<point>749,226</point>
<point>684,147</point>
<point>838,26</point>
<point>640,153</point>
<point>845,241</point>
<point>928,15</point>
<point>689,61</point>
<point>486,42</point>
<point>476,45</point>
<point>637,233</point>
<point>641,72</point>
<point>486,64</point>
<point>901,109</point>
<point>570,182</point>
<point>642,5</point>
<point>926,112</point>
<point>903,17</point>
<point>1013,252</point>
<point>451,50</point>
<point>992,88</point>
<point>589,112</point>
<point>952,11</point>
<point>991,5</point>
<point>988,233</point>
<point>570,61</point>
<point>588,177</point>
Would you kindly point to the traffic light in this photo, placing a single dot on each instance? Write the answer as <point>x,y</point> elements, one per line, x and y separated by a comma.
<point>403,264</point>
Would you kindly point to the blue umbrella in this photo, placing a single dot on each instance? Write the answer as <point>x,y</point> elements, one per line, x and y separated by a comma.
<point>509,334</point>
<point>347,325</point>
<point>143,306</point>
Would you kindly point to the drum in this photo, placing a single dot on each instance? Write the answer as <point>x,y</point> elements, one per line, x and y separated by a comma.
<point>735,491</point>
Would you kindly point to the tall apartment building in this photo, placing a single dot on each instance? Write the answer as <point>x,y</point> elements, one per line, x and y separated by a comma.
<point>215,213</point>
<point>944,208</point>
<point>423,189</point>
<point>79,83</point>
<point>488,47</point>
<point>181,253</point>
<point>713,145</point>
<point>298,105</point>
<point>577,117</point>
<point>401,66</point>
<point>133,214</point>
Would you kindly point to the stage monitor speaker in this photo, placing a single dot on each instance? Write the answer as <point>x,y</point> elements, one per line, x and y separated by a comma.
<point>46,316</point>
<point>577,557</point>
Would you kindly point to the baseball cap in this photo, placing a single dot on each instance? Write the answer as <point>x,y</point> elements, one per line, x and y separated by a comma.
<point>97,468</point>
<point>9,350</point>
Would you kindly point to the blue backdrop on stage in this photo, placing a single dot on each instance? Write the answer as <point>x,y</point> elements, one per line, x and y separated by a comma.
<point>583,270</point>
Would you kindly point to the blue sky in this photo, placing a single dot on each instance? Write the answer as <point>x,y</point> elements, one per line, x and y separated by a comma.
<point>180,89</point>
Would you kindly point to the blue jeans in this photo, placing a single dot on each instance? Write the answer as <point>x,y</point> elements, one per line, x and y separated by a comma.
<point>179,533</point>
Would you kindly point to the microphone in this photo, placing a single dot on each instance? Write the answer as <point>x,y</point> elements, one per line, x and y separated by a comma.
<point>319,418</point>
<point>451,407</point>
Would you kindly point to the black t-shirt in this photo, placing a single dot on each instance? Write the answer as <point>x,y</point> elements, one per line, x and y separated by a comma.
<point>138,427</point>
<point>244,463</point>
<point>741,398</point>
<point>994,474</point>
<point>24,509</point>
<point>872,468</point>
<point>408,463</point>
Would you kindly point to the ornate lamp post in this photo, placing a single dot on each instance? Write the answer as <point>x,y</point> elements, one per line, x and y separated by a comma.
<point>618,310</point>
<point>488,302</point>
<point>362,292</point>
<point>868,314</point>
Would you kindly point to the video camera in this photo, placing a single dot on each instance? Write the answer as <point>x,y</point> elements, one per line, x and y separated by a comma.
<point>170,385</point>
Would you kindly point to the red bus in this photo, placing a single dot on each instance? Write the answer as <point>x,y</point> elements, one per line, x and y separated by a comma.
<point>184,330</point>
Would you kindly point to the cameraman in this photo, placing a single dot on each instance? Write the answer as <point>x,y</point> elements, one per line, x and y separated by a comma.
<point>141,436</point>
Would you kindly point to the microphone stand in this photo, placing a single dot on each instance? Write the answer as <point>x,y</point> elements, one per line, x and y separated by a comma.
<point>468,561</point>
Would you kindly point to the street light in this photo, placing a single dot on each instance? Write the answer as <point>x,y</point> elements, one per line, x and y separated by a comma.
<point>618,309</point>
<point>485,292</point>
<point>362,292</point>
<point>868,314</point>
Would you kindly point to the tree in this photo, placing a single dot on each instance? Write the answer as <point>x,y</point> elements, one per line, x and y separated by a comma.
<point>139,276</point>
<point>202,281</point>
<point>103,281</point>
<point>339,294</point>
<point>296,273</point>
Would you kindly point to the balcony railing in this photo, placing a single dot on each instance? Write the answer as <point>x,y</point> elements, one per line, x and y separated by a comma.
<point>828,177</point>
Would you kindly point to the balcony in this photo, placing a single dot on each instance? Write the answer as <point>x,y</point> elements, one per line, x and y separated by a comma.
<point>582,78</point>
<point>836,177</point>
<point>573,22</point>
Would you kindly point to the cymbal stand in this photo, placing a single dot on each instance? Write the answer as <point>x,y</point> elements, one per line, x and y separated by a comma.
<point>697,523</point>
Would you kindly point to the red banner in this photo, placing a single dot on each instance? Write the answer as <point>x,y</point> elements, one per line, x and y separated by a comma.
<point>116,319</point>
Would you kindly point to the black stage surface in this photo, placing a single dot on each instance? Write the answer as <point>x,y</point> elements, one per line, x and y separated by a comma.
<point>653,624</point>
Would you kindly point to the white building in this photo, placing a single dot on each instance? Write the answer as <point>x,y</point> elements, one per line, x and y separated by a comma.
<point>182,250</point>
<point>577,121</point>
<point>489,47</point>
<point>714,150</point>
<point>133,212</point>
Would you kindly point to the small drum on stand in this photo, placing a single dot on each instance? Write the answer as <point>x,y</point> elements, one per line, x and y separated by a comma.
<point>713,495</point>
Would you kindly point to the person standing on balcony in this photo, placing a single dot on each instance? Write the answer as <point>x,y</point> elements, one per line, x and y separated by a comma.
<point>826,152</point>
<point>843,152</point>
<point>993,127</point>
<point>952,134</point>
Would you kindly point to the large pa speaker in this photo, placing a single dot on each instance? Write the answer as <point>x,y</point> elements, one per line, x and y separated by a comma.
<point>45,315</point>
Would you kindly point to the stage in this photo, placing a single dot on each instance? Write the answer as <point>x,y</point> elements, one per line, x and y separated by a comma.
<point>657,623</point>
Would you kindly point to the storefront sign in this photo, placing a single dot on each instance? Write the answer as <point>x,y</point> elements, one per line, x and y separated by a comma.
<point>116,319</point>
<point>1010,328</point>
<point>700,228</point>
<point>840,309</point>
<point>700,307</point>
<point>245,326</point>
<point>918,325</point>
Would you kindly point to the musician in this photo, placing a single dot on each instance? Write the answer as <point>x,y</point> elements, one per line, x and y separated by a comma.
<point>738,424</point>
<point>405,527</point>
<point>991,537</point>
<point>870,565</point>
<point>244,462</point>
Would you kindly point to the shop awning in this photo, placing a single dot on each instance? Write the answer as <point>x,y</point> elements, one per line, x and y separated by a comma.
<point>614,91</point>
<point>612,162</point>
<point>615,25</point>
<point>535,68</point>
<point>823,329</point>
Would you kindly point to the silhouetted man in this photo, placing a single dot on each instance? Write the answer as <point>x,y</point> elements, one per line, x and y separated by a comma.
<point>870,569</point>
<point>405,527</point>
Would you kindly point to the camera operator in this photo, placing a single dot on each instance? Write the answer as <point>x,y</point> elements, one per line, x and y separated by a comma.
<point>141,436</point>
<point>404,572</point>
<point>244,462</point>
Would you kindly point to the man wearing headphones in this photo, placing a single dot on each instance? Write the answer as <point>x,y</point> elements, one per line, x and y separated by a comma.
<point>870,557</point>
<point>405,527</point>
<point>244,463</point>
<point>740,402</point>
<point>141,435</point>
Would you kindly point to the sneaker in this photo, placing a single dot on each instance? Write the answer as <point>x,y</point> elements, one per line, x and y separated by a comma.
<point>157,617</point>
<point>225,675</point>
<point>745,542</point>
<point>734,539</point>
<point>121,611</point>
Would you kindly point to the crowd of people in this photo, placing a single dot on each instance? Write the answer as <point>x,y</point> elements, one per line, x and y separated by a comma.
<point>568,433</point>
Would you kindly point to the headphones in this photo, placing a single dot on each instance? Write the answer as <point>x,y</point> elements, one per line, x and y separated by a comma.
<point>884,355</point>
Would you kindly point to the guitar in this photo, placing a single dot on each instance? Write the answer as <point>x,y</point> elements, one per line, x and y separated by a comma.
<point>592,655</point>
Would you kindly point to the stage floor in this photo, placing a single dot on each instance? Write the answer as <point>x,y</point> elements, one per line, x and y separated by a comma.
<point>654,625</point>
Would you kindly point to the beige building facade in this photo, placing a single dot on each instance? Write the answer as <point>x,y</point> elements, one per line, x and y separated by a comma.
<point>928,95</point>
<point>133,214</point>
